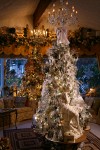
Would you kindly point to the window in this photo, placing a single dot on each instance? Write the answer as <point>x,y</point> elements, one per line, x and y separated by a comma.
<point>14,71</point>
<point>11,72</point>
<point>88,74</point>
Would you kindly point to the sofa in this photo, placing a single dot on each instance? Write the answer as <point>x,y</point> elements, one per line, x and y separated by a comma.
<point>25,108</point>
<point>94,103</point>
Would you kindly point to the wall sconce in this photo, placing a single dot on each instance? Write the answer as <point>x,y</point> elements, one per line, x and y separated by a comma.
<point>39,33</point>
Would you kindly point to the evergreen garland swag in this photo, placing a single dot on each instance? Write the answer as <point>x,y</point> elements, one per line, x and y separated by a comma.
<point>10,43</point>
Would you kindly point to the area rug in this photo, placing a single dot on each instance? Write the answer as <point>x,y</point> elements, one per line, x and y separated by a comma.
<point>24,139</point>
<point>92,142</point>
<point>28,139</point>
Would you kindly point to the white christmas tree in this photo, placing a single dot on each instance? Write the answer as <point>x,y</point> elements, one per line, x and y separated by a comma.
<point>62,112</point>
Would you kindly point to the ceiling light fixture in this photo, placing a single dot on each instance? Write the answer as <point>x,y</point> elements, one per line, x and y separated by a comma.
<point>64,15</point>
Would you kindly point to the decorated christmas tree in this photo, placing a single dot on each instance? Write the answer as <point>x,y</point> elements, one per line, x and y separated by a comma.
<point>62,113</point>
<point>32,80</point>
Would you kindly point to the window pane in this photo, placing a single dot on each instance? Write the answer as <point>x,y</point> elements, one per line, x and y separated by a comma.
<point>88,74</point>
<point>14,71</point>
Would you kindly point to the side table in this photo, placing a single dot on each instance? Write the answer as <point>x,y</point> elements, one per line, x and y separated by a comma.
<point>7,112</point>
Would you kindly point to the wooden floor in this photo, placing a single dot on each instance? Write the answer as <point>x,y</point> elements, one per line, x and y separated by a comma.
<point>95,128</point>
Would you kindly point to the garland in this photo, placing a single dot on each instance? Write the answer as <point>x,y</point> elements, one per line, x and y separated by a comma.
<point>81,38</point>
<point>12,44</point>
<point>8,40</point>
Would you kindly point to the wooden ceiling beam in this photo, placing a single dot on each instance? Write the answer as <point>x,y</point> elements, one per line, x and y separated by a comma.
<point>43,4</point>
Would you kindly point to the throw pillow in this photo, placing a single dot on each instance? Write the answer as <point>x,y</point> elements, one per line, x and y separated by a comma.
<point>27,103</point>
<point>20,102</point>
<point>96,105</point>
<point>1,103</point>
<point>33,104</point>
<point>8,102</point>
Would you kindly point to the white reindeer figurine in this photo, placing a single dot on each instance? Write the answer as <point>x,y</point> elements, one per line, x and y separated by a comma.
<point>70,115</point>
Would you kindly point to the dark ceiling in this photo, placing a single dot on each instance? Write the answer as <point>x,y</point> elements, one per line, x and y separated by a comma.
<point>35,12</point>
